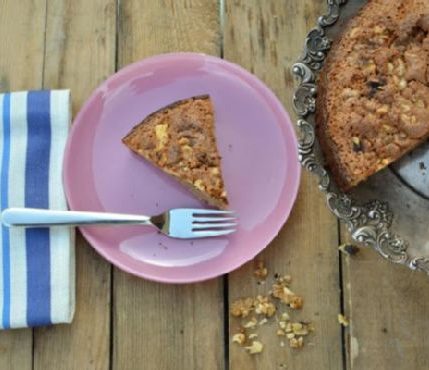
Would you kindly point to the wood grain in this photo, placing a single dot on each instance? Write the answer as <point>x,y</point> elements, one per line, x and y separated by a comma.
<point>16,352</point>
<point>22,30</point>
<point>181,327</point>
<point>80,53</point>
<point>388,307</point>
<point>165,326</point>
<point>266,38</point>
<point>152,27</point>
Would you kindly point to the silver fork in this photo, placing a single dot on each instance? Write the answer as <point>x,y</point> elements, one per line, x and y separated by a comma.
<point>182,223</point>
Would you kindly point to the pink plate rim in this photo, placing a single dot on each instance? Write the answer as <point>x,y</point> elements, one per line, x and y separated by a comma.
<point>134,67</point>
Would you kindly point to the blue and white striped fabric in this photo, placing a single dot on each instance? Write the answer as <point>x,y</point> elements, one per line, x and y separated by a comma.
<point>36,265</point>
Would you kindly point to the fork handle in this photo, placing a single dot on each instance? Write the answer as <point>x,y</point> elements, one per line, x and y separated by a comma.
<point>33,217</point>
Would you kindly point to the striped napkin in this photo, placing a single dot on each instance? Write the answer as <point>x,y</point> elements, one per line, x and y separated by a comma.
<point>36,265</point>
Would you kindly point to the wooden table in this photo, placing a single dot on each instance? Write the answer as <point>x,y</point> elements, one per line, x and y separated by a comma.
<point>123,322</point>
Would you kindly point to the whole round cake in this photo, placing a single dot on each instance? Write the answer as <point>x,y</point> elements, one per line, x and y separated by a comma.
<point>373,100</point>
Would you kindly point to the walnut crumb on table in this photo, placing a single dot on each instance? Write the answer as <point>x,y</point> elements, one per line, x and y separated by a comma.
<point>261,271</point>
<point>264,306</point>
<point>263,321</point>
<point>242,307</point>
<point>269,308</point>
<point>285,316</point>
<point>296,342</point>
<point>281,291</point>
<point>255,347</point>
<point>343,320</point>
<point>251,323</point>
<point>239,338</point>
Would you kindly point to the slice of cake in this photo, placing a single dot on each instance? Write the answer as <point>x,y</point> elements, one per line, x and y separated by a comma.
<point>180,140</point>
<point>373,100</point>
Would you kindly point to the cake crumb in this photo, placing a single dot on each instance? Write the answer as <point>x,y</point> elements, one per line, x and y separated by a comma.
<point>343,320</point>
<point>296,342</point>
<point>251,324</point>
<point>264,306</point>
<point>239,338</point>
<point>261,271</point>
<point>242,307</point>
<point>263,321</point>
<point>282,292</point>
<point>255,347</point>
<point>285,316</point>
<point>299,329</point>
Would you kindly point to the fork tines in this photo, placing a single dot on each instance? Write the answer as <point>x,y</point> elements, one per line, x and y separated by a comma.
<point>213,222</point>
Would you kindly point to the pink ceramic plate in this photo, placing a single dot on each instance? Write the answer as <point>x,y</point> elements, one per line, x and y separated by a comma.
<point>260,166</point>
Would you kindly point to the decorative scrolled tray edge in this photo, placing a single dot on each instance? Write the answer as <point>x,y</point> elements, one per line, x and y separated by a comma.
<point>370,223</point>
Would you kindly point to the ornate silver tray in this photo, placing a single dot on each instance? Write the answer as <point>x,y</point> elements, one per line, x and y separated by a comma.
<point>390,211</point>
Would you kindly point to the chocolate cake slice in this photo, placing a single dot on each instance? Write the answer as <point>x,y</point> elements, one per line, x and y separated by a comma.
<point>180,140</point>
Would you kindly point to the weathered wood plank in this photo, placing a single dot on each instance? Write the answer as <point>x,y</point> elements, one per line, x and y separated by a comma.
<point>153,27</point>
<point>22,30</point>
<point>266,37</point>
<point>80,53</point>
<point>387,306</point>
<point>164,326</point>
<point>22,27</point>
<point>16,350</point>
